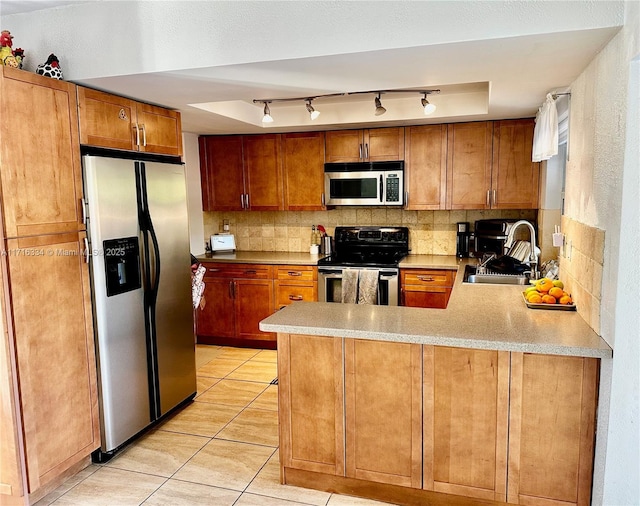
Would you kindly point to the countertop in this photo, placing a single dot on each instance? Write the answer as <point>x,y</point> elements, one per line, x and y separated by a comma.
<point>480,316</point>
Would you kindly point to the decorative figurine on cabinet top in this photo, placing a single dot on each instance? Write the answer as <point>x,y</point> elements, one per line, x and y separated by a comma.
<point>51,68</point>
<point>6,54</point>
<point>19,54</point>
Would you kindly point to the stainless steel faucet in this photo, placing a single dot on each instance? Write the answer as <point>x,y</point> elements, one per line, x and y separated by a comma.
<point>533,255</point>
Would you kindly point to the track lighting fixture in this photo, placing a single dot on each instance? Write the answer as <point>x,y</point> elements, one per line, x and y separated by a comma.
<point>428,108</point>
<point>312,112</point>
<point>379,109</point>
<point>267,114</point>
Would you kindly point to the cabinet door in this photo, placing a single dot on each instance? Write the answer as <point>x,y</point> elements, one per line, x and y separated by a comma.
<point>551,429</point>
<point>217,318</point>
<point>263,172</point>
<point>52,322</point>
<point>515,178</point>
<point>221,173</point>
<point>161,130</point>
<point>383,389</point>
<point>41,174</point>
<point>383,144</point>
<point>303,171</point>
<point>312,403</point>
<point>466,396</point>
<point>429,288</point>
<point>469,165</point>
<point>426,167</point>
<point>344,146</point>
<point>253,303</point>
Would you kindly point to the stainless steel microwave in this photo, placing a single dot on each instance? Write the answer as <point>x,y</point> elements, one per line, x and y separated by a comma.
<point>364,183</point>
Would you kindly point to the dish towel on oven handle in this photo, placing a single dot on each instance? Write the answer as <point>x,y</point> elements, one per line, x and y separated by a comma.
<point>368,286</point>
<point>350,286</point>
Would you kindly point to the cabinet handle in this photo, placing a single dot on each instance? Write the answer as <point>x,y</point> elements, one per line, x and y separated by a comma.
<point>83,211</point>
<point>246,197</point>
<point>294,273</point>
<point>488,198</point>
<point>366,151</point>
<point>87,253</point>
<point>360,150</point>
<point>251,271</point>
<point>232,289</point>
<point>135,127</point>
<point>406,198</point>
<point>242,200</point>
<point>426,278</point>
<point>296,297</point>
<point>494,197</point>
<point>214,270</point>
<point>144,135</point>
<point>322,200</point>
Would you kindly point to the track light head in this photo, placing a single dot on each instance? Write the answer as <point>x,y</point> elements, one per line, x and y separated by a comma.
<point>428,107</point>
<point>312,112</point>
<point>267,114</point>
<point>379,109</point>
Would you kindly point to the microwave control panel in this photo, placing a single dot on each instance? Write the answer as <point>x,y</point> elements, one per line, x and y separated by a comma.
<point>393,188</point>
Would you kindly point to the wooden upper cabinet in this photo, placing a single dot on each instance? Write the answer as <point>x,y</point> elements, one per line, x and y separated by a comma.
<point>552,418</point>
<point>263,172</point>
<point>41,172</point>
<point>469,165</point>
<point>379,144</point>
<point>514,177</point>
<point>52,323</point>
<point>110,121</point>
<point>383,390</point>
<point>426,167</point>
<point>303,155</point>
<point>221,172</point>
<point>466,397</point>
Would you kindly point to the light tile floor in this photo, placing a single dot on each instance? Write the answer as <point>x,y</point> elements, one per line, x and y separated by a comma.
<point>222,449</point>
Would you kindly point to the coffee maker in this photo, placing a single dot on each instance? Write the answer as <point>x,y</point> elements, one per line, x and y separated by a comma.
<point>462,240</point>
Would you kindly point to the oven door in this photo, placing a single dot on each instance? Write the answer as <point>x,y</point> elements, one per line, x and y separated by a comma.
<point>354,188</point>
<point>330,285</point>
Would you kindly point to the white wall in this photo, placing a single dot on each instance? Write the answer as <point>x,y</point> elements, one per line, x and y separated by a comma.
<point>194,193</point>
<point>603,146</point>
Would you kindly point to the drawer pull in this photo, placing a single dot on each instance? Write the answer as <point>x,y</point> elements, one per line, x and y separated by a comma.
<point>296,297</point>
<point>426,278</point>
<point>214,270</point>
<point>251,271</point>
<point>294,273</point>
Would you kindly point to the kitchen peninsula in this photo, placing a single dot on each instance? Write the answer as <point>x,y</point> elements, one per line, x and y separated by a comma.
<point>485,401</point>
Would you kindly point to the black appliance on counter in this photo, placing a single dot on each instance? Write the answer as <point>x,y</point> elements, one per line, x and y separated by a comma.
<point>364,248</point>
<point>490,236</point>
<point>462,239</point>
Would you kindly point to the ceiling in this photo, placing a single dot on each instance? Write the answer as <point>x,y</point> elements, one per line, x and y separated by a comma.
<point>492,78</point>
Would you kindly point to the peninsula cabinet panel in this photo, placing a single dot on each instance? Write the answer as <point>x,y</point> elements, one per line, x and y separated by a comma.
<point>515,178</point>
<point>263,172</point>
<point>110,121</point>
<point>466,395</point>
<point>383,389</point>
<point>551,429</point>
<point>41,173</point>
<point>469,165</point>
<point>303,155</point>
<point>426,167</point>
<point>311,403</point>
<point>221,173</point>
<point>52,322</point>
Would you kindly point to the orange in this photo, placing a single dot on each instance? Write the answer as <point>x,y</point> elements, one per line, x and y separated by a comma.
<point>548,299</point>
<point>556,292</point>
<point>565,299</point>
<point>544,285</point>
<point>535,298</point>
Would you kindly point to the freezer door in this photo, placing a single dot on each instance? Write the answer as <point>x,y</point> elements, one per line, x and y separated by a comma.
<point>175,339</point>
<point>110,189</point>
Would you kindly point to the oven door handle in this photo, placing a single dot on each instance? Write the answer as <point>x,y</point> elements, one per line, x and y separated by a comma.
<point>381,188</point>
<point>330,274</point>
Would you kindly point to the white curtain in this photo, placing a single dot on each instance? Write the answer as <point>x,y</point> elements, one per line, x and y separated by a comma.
<point>545,135</point>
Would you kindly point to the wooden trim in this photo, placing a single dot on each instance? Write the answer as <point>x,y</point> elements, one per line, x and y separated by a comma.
<point>502,429</point>
<point>385,492</point>
<point>416,419</point>
<point>428,412</point>
<point>284,399</point>
<point>339,392</point>
<point>238,343</point>
<point>515,419</point>
<point>591,368</point>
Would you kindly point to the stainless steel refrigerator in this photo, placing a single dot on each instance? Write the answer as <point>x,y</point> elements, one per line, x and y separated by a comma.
<point>140,272</point>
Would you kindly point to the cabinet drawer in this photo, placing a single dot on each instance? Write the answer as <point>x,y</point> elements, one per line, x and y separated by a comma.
<point>286,292</point>
<point>297,273</point>
<point>428,277</point>
<point>243,271</point>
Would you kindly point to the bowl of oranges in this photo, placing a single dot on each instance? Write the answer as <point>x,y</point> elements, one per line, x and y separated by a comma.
<point>548,293</point>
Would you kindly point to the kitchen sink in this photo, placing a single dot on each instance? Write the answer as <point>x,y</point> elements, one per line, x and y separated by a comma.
<point>493,278</point>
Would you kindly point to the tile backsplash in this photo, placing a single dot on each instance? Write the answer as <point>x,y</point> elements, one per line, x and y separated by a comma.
<point>431,232</point>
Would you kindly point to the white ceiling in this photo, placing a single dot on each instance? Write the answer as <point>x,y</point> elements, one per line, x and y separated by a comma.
<point>491,77</point>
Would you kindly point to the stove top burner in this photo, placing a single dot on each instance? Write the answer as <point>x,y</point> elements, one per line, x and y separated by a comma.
<point>369,246</point>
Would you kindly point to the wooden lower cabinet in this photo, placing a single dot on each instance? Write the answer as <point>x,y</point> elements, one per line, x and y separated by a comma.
<point>428,288</point>
<point>383,412</point>
<point>412,424</point>
<point>551,429</point>
<point>466,403</point>
<point>311,403</point>
<point>295,283</point>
